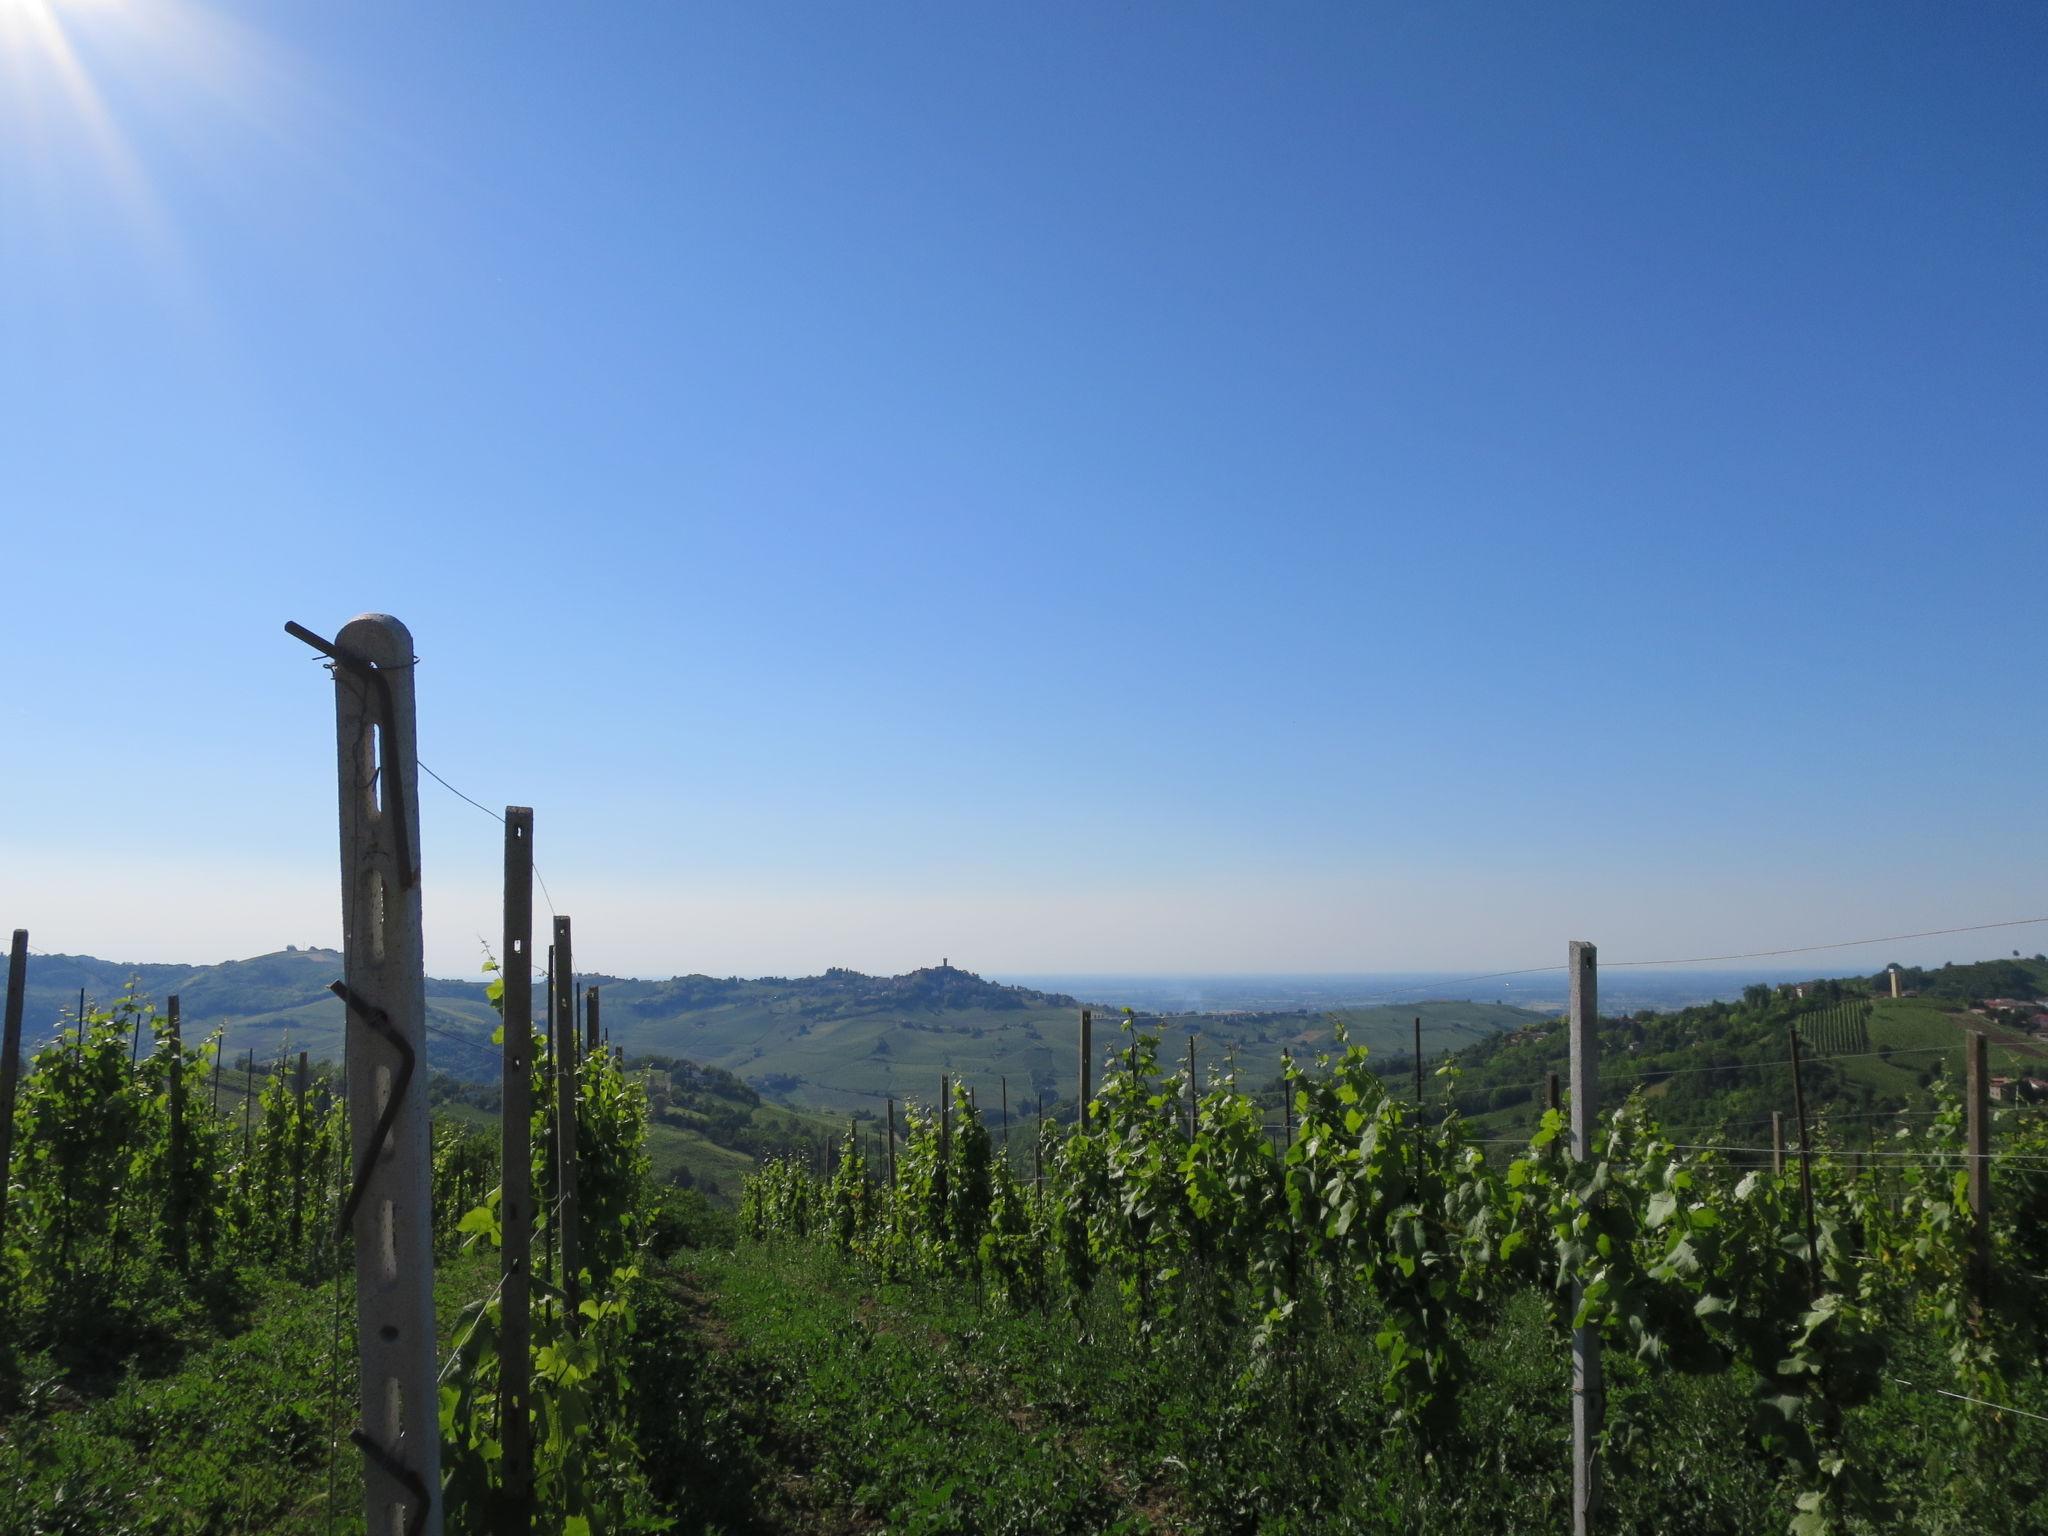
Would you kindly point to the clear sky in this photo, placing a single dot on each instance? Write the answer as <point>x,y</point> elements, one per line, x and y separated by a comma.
<point>1063,487</point>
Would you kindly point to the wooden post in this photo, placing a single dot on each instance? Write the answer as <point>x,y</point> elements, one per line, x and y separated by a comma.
<point>1087,1066</point>
<point>1418,1066</point>
<point>565,1110</point>
<point>220,1049</point>
<point>590,1031</point>
<point>298,1157</point>
<point>1286,1104</point>
<point>1194,1095</point>
<point>135,1042</point>
<point>1778,1142</point>
<point>1550,1098</point>
<point>1977,1110</point>
<point>249,1101</point>
<point>1005,1081</point>
<point>390,1204</point>
<point>1805,1167</point>
<point>1038,1153</point>
<point>892,1143</point>
<point>1588,1407</point>
<point>10,1063</point>
<point>174,1093</point>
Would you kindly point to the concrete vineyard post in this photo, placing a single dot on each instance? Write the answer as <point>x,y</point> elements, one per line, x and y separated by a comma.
<point>299,1169</point>
<point>174,1093</point>
<point>547,1115</point>
<point>1005,1082</point>
<point>515,1175</point>
<point>389,1208</point>
<point>10,1062</point>
<point>1805,1167</point>
<point>1977,1110</point>
<point>1587,1404</point>
<point>565,1111</point>
<point>892,1143</point>
<point>1087,1053</point>
<point>1550,1098</point>
<point>1194,1095</point>
<point>1778,1143</point>
<point>1418,1067</point>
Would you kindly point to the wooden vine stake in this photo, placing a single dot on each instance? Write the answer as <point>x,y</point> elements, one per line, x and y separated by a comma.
<point>1977,1127</point>
<point>1418,1067</point>
<point>10,1063</point>
<point>389,1208</point>
<point>565,1112</point>
<point>298,1144</point>
<point>1805,1168</point>
<point>174,1092</point>
<point>1587,1406</point>
<point>515,1174</point>
<point>1087,1053</point>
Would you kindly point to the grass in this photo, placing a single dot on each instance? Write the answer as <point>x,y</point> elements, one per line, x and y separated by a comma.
<point>778,1389</point>
<point>841,1402</point>
<point>914,1408</point>
<point>242,1432</point>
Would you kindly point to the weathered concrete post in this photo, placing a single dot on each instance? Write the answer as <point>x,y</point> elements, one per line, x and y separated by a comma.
<point>515,1176</point>
<point>10,1062</point>
<point>1087,1066</point>
<point>1587,1404</point>
<point>389,1209</point>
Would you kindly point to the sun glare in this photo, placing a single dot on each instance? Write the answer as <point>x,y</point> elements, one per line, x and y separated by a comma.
<point>84,82</point>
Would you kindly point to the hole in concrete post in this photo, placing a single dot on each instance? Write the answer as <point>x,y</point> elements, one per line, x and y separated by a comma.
<point>383,1095</point>
<point>376,770</point>
<point>387,1241</point>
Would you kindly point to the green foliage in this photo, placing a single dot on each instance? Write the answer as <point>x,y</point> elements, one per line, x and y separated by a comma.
<point>587,1473</point>
<point>1371,1226</point>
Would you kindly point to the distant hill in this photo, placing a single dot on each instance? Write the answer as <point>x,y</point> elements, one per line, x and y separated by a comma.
<point>840,1041</point>
<point>1723,1068</point>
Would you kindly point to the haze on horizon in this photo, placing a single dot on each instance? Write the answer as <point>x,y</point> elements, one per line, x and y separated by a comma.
<point>1069,490</point>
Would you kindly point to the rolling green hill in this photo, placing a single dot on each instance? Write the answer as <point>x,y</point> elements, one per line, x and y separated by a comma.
<point>1723,1068</point>
<point>842,1041</point>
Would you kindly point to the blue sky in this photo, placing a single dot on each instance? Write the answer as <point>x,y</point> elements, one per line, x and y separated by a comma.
<point>1063,487</point>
